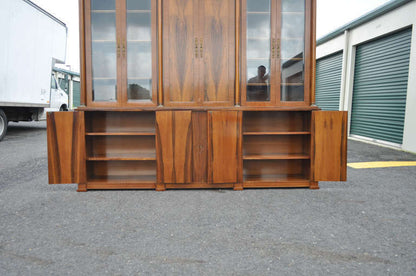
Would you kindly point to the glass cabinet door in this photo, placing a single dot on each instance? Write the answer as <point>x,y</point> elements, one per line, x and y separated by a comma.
<point>103,46</point>
<point>140,52</point>
<point>122,44</point>
<point>292,51</point>
<point>257,66</point>
<point>273,52</point>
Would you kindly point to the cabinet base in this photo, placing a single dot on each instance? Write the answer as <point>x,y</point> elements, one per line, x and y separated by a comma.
<point>82,188</point>
<point>314,185</point>
<point>162,187</point>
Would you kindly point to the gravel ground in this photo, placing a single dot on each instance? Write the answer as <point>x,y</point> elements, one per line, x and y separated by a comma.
<point>366,226</point>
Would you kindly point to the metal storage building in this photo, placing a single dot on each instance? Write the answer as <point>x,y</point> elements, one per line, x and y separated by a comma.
<point>70,82</point>
<point>368,67</point>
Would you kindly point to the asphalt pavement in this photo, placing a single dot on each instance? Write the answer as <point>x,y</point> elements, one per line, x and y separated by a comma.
<point>365,226</point>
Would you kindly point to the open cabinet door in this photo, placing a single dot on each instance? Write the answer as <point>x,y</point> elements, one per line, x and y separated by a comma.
<point>66,147</point>
<point>330,145</point>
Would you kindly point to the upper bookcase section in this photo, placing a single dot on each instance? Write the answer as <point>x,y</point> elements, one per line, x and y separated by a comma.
<point>197,53</point>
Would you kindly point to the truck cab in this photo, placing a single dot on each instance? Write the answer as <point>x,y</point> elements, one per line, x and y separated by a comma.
<point>59,99</point>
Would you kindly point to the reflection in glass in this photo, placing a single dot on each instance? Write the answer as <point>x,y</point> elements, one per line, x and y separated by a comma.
<point>103,26</point>
<point>103,5</point>
<point>293,5</point>
<point>104,90</point>
<point>138,5</point>
<point>258,50</point>
<point>103,47</point>
<point>258,6</point>
<point>139,50</point>
<point>258,25</point>
<point>292,71</point>
<point>292,50</point>
<point>293,93</point>
<point>258,88</point>
<point>141,54</point>
<point>139,89</point>
<point>104,60</point>
<point>293,25</point>
<point>138,26</point>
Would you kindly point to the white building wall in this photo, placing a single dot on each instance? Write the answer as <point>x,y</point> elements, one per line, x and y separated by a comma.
<point>395,20</point>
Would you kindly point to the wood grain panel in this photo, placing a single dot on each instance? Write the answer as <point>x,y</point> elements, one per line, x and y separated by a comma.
<point>330,145</point>
<point>200,150</point>
<point>179,32</point>
<point>174,138</point>
<point>224,135</point>
<point>66,147</point>
<point>217,40</point>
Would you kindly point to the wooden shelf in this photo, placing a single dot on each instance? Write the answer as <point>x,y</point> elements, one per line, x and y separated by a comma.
<point>293,12</point>
<point>150,179</point>
<point>277,133</point>
<point>259,12</point>
<point>139,11</point>
<point>275,178</point>
<point>104,78</point>
<point>120,134</point>
<point>292,59</point>
<point>258,38</point>
<point>279,123</point>
<point>292,38</point>
<point>122,157</point>
<point>265,58</point>
<point>103,11</point>
<point>275,156</point>
<point>292,84</point>
<point>103,41</point>
<point>138,78</point>
<point>138,41</point>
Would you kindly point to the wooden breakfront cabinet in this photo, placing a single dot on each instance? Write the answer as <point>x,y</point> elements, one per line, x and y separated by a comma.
<point>197,94</point>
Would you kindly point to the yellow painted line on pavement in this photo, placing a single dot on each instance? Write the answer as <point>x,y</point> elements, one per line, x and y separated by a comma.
<point>381,164</point>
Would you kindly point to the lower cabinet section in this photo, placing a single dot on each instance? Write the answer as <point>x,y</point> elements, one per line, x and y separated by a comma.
<point>196,149</point>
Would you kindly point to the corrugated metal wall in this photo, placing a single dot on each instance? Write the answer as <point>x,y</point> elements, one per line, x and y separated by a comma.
<point>380,87</point>
<point>328,82</point>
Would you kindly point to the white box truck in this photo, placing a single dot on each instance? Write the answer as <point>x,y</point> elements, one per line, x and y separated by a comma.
<point>32,42</point>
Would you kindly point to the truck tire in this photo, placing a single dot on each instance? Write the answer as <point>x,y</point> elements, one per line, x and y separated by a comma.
<point>3,124</point>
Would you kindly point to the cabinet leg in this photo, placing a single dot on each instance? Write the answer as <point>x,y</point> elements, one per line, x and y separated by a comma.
<point>314,185</point>
<point>160,187</point>
<point>82,187</point>
<point>238,187</point>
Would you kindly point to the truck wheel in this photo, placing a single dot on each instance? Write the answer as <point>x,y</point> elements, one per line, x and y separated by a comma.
<point>3,124</point>
<point>63,108</point>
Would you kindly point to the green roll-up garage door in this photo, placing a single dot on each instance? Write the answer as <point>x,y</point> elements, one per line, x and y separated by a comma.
<point>76,94</point>
<point>380,87</point>
<point>328,81</point>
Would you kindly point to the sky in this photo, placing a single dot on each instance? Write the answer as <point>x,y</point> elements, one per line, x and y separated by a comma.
<point>331,14</point>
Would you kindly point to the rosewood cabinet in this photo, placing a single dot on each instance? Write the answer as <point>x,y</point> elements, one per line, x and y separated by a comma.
<point>183,94</point>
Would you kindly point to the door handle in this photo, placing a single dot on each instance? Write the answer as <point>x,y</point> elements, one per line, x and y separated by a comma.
<point>201,47</point>
<point>196,47</point>
<point>118,48</point>
<point>278,48</point>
